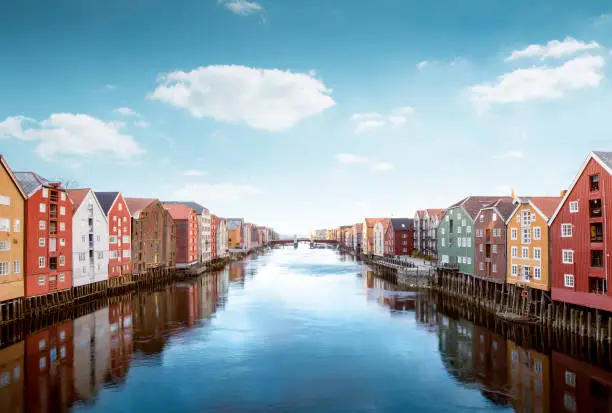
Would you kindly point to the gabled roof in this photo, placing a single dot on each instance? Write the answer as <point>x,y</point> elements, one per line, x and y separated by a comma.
<point>544,205</point>
<point>421,213</point>
<point>402,224</point>
<point>601,157</point>
<point>193,205</point>
<point>437,212</point>
<point>31,181</point>
<point>372,221</point>
<point>358,227</point>
<point>136,205</point>
<point>179,211</point>
<point>473,204</point>
<point>504,207</point>
<point>107,199</point>
<point>77,196</point>
<point>233,223</point>
<point>6,166</point>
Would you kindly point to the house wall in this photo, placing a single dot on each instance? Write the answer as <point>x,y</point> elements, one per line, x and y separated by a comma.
<point>206,244</point>
<point>222,243</point>
<point>378,239</point>
<point>12,285</point>
<point>403,242</point>
<point>489,222</point>
<point>182,242</point>
<point>13,371</point>
<point>214,222</point>
<point>151,246</point>
<point>457,246</point>
<point>580,241</point>
<point>120,243</point>
<point>40,281</point>
<point>90,246</point>
<point>531,262</point>
<point>168,239</point>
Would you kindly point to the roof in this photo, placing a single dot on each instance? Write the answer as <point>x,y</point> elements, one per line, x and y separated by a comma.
<point>6,166</point>
<point>135,205</point>
<point>233,223</point>
<point>473,204</point>
<point>107,199</point>
<point>421,213</point>
<point>31,181</point>
<point>358,227</point>
<point>546,204</point>
<point>193,205</point>
<point>504,207</point>
<point>77,196</point>
<point>179,211</point>
<point>402,224</point>
<point>605,157</point>
<point>372,221</point>
<point>437,212</point>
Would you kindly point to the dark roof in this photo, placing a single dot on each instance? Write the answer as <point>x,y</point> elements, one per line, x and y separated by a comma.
<point>193,205</point>
<point>106,200</point>
<point>402,224</point>
<point>30,181</point>
<point>505,207</point>
<point>606,157</point>
<point>473,204</point>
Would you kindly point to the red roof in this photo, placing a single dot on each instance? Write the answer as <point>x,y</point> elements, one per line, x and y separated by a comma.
<point>546,204</point>
<point>372,221</point>
<point>77,196</point>
<point>136,205</point>
<point>179,211</point>
<point>438,212</point>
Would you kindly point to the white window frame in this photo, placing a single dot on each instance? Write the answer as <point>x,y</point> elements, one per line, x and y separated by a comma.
<point>514,252</point>
<point>514,270</point>
<point>468,229</point>
<point>494,249</point>
<point>16,267</point>
<point>566,230</point>
<point>573,207</point>
<point>481,266</point>
<point>62,260</point>
<point>514,234</point>
<point>481,247</point>
<point>5,246</point>
<point>5,224</point>
<point>537,233</point>
<point>5,268</point>
<point>537,273</point>
<point>469,241</point>
<point>62,210</point>
<point>568,280</point>
<point>62,226</point>
<point>525,236</point>
<point>523,254</point>
<point>41,280</point>
<point>62,277</point>
<point>16,225</point>
<point>537,253</point>
<point>42,224</point>
<point>494,268</point>
<point>63,196</point>
<point>567,256</point>
<point>42,207</point>
<point>493,217</point>
<point>469,260</point>
<point>42,261</point>
<point>42,242</point>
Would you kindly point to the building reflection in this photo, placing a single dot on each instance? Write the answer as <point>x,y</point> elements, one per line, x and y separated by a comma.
<point>11,378</point>
<point>490,368</point>
<point>456,347</point>
<point>237,273</point>
<point>121,339</point>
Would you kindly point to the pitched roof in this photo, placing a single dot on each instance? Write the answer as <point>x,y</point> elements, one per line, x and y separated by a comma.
<point>473,204</point>
<point>421,213</point>
<point>77,196</point>
<point>546,204</point>
<point>233,223</point>
<point>135,205</point>
<point>605,157</point>
<point>106,200</point>
<point>6,166</point>
<point>179,211</point>
<point>193,205</point>
<point>402,224</point>
<point>438,212</point>
<point>358,227</point>
<point>372,221</point>
<point>31,181</point>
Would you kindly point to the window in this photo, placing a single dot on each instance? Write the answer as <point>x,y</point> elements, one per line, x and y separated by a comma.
<point>494,217</point>
<point>514,270</point>
<point>16,267</point>
<point>481,266</point>
<point>526,236</point>
<point>63,196</point>
<point>62,277</point>
<point>41,262</point>
<point>514,252</point>
<point>494,268</point>
<point>41,242</point>
<point>62,210</point>
<point>5,268</point>
<point>404,250</point>
<point>566,230</point>
<point>5,246</point>
<point>5,200</point>
<point>443,231</point>
<point>112,239</point>
<point>5,225</point>
<point>537,233</point>
<point>494,248</point>
<point>481,218</point>
<point>569,280</point>
<point>525,253</point>
<point>594,182</point>
<point>62,226</point>
<point>597,258</point>
<point>514,234</point>
<point>126,253</point>
<point>568,256</point>
<point>84,269</point>
<point>126,238</point>
<point>403,236</point>
<point>41,280</point>
<point>43,207</point>
<point>443,242</point>
<point>120,206</point>
<point>463,222</point>
<point>537,253</point>
<point>469,242</point>
<point>42,225</point>
<point>468,229</point>
<point>595,208</point>
<point>17,225</point>
<point>45,193</point>
<point>573,207</point>
<point>62,260</point>
<point>469,260</point>
<point>525,218</point>
<point>113,254</point>
<point>82,256</point>
<point>537,273</point>
<point>458,230</point>
<point>404,242</point>
<point>570,378</point>
<point>481,247</point>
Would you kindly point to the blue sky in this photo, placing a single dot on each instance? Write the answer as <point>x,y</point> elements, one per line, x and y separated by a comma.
<point>305,114</point>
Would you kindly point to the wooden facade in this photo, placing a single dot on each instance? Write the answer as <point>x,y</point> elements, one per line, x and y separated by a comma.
<point>581,232</point>
<point>119,233</point>
<point>490,241</point>
<point>400,238</point>
<point>187,234</point>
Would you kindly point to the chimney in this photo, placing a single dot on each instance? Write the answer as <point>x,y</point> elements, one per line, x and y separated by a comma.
<point>513,193</point>
<point>563,192</point>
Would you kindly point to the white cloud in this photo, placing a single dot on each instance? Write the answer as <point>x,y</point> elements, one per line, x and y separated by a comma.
<point>510,154</point>
<point>382,166</point>
<point>553,49</point>
<point>372,121</point>
<point>544,83</point>
<point>125,111</point>
<point>205,192</point>
<point>421,65</point>
<point>71,134</point>
<point>193,172</point>
<point>350,158</point>
<point>266,99</point>
<point>242,7</point>
<point>110,87</point>
<point>141,124</point>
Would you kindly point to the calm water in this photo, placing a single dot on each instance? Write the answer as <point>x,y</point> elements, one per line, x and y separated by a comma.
<point>291,331</point>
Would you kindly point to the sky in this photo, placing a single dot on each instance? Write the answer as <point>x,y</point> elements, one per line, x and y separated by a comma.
<point>306,114</point>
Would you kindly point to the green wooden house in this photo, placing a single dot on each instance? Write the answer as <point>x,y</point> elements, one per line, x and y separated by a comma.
<point>456,233</point>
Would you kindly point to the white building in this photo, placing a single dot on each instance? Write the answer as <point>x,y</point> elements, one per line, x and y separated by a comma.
<point>378,238</point>
<point>89,239</point>
<point>222,243</point>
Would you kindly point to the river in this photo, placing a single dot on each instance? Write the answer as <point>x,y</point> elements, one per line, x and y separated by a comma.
<point>288,331</point>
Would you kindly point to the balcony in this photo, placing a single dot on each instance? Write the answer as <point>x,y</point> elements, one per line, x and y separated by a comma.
<point>53,263</point>
<point>596,232</point>
<point>53,196</point>
<point>597,259</point>
<point>53,228</point>
<point>595,208</point>
<point>598,286</point>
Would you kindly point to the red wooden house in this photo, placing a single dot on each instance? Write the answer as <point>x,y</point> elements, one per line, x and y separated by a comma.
<point>399,236</point>
<point>581,237</point>
<point>186,221</point>
<point>48,256</point>
<point>214,222</point>
<point>119,234</point>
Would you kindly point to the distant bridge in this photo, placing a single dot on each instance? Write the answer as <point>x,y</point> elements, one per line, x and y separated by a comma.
<point>307,240</point>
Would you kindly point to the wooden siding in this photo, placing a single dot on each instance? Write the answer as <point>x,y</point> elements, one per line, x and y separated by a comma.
<point>543,244</point>
<point>149,239</point>
<point>580,241</point>
<point>484,240</point>
<point>119,225</point>
<point>459,252</point>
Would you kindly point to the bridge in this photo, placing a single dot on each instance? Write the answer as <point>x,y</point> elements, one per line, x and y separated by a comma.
<point>305,240</point>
